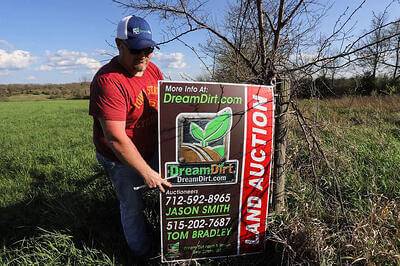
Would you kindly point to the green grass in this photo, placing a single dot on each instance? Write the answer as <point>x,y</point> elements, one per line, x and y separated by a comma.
<point>366,144</point>
<point>52,248</point>
<point>49,177</point>
<point>352,212</point>
<point>58,207</point>
<point>44,143</point>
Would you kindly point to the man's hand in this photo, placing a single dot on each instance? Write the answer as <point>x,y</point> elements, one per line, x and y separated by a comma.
<point>153,180</point>
<point>127,153</point>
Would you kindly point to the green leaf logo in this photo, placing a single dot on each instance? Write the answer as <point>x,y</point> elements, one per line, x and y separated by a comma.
<point>196,132</point>
<point>219,126</point>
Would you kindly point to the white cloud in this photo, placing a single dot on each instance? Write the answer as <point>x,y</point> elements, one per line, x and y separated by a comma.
<point>6,45</point>
<point>89,62</point>
<point>67,71</point>
<point>172,60</point>
<point>4,72</point>
<point>31,78</point>
<point>44,68</point>
<point>14,60</point>
<point>68,61</point>
<point>101,52</point>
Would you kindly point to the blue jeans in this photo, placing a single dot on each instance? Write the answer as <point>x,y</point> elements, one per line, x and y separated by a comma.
<point>137,232</point>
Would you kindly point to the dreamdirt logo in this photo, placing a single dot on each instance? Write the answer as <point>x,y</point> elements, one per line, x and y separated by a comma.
<point>203,149</point>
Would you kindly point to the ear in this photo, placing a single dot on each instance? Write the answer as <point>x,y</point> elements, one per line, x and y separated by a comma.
<point>119,44</point>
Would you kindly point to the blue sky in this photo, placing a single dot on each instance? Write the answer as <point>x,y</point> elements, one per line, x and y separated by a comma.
<point>58,41</point>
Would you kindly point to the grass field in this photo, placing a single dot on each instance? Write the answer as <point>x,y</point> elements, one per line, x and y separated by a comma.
<point>57,207</point>
<point>49,180</point>
<point>350,214</point>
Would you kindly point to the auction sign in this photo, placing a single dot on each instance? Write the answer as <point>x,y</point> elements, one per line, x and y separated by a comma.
<point>215,143</point>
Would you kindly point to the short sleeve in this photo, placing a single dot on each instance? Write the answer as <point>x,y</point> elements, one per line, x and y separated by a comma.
<point>107,99</point>
<point>160,75</point>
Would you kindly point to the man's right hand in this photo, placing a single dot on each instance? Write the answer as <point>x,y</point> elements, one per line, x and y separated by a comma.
<point>127,153</point>
<point>153,180</point>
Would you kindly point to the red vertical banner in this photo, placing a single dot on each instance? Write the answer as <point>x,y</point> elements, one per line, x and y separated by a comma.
<point>257,158</point>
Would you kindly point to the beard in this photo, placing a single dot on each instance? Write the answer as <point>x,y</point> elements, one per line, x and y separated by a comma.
<point>140,66</point>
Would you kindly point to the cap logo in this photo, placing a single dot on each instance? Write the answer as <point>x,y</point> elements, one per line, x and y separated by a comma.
<point>138,30</point>
<point>135,30</point>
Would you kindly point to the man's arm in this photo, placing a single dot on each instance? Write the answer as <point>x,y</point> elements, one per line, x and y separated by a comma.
<point>127,153</point>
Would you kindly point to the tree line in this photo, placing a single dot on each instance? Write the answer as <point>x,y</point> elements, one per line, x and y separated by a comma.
<point>52,91</point>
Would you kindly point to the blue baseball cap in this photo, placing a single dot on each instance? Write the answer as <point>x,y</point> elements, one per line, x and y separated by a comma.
<point>136,32</point>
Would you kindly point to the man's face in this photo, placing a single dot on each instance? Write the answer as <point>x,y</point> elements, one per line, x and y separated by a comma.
<point>136,60</point>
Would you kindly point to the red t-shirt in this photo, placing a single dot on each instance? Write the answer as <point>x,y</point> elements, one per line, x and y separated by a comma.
<point>116,95</point>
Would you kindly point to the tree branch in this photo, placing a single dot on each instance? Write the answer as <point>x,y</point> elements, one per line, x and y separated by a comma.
<point>165,8</point>
<point>180,35</point>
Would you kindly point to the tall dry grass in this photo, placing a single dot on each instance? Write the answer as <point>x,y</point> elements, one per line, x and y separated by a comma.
<point>346,209</point>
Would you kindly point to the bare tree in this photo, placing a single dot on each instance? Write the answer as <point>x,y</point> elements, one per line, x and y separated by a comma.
<point>373,55</point>
<point>396,47</point>
<point>329,72</point>
<point>262,41</point>
<point>393,58</point>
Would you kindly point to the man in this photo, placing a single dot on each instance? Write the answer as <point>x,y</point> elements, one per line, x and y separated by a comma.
<point>123,103</point>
